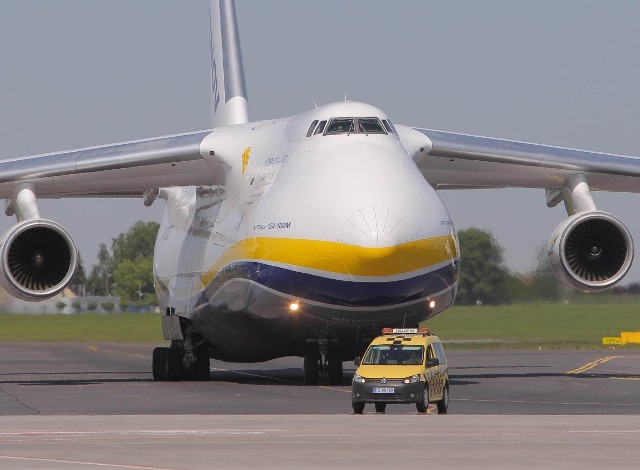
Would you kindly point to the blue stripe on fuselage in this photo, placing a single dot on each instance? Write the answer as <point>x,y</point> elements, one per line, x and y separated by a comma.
<point>334,292</point>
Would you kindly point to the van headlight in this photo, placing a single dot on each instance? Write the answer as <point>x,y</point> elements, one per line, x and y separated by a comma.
<point>413,379</point>
<point>358,378</point>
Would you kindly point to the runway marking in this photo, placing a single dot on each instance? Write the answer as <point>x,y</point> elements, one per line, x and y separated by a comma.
<point>256,375</point>
<point>117,351</point>
<point>276,378</point>
<point>86,463</point>
<point>568,403</point>
<point>591,365</point>
<point>167,432</point>
<point>334,389</point>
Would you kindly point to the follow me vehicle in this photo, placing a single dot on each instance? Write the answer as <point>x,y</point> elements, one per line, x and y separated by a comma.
<point>403,365</point>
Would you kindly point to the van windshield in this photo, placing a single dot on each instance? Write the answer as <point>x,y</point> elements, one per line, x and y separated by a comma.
<point>388,354</point>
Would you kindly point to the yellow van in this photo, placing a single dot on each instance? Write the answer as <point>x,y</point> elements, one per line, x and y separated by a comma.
<point>403,365</point>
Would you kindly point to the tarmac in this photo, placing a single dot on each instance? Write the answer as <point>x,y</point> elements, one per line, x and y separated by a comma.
<point>96,406</point>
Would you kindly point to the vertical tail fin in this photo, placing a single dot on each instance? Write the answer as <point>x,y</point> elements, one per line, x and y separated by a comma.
<point>229,103</point>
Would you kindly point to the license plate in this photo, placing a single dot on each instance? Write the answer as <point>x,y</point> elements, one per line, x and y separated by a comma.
<point>383,389</point>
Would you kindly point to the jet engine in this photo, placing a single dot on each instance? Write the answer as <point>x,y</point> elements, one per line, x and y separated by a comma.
<point>591,251</point>
<point>39,258</point>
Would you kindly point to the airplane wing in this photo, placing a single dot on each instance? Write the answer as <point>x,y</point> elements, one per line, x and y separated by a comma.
<point>458,161</point>
<point>117,170</point>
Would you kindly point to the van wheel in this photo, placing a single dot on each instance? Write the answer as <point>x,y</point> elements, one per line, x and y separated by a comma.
<point>423,404</point>
<point>443,405</point>
<point>381,407</point>
<point>358,407</point>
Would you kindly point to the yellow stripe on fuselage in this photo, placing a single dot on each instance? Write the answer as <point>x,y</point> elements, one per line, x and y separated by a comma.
<point>340,258</point>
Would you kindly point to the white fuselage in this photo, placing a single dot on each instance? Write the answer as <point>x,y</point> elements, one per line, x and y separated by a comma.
<point>342,225</point>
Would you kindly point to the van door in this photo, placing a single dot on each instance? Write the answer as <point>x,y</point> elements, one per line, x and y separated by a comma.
<point>432,375</point>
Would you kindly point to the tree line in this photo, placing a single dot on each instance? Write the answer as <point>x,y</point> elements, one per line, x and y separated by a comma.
<point>485,279</point>
<point>125,270</point>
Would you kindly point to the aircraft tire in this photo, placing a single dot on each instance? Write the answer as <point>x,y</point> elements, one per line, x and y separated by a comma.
<point>202,365</point>
<point>358,407</point>
<point>174,366</point>
<point>167,364</point>
<point>334,368</point>
<point>423,404</point>
<point>381,407</point>
<point>311,369</point>
<point>443,405</point>
<point>159,364</point>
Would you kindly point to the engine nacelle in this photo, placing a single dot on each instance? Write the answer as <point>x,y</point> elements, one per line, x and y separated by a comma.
<point>591,251</point>
<point>39,258</point>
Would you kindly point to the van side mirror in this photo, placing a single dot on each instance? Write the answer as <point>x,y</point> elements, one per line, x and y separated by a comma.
<point>357,360</point>
<point>433,362</point>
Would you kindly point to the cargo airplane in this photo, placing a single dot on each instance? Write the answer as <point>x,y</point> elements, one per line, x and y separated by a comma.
<point>302,236</point>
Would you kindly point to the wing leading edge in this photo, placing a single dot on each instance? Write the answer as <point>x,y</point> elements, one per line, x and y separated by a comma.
<point>460,161</point>
<point>118,170</point>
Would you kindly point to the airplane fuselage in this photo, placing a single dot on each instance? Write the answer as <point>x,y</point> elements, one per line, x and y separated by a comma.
<point>320,234</point>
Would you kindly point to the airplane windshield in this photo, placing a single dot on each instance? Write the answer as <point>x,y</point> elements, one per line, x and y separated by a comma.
<point>384,354</point>
<point>340,126</point>
<point>370,126</point>
<point>349,125</point>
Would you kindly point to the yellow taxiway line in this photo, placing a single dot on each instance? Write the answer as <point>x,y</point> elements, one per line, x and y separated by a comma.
<point>591,365</point>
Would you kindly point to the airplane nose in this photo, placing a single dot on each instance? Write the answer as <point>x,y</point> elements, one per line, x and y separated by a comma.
<point>372,242</point>
<point>372,227</point>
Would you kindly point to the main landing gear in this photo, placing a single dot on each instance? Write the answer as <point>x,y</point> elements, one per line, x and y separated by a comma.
<point>187,358</point>
<point>174,363</point>
<point>324,361</point>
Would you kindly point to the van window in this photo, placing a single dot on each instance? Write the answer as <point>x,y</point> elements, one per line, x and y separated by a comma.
<point>382,354</point>
<point>440,353</point>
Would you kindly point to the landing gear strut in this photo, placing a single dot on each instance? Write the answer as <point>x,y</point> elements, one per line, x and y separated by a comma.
<point>326,362</point>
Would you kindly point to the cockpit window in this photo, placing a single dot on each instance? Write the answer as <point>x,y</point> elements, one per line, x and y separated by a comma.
<point>320,127</point>
<point>360,125</point>
<point>311,128</point>
<point>340,126</point>
<point>370,126</point>
<point>387,126</point>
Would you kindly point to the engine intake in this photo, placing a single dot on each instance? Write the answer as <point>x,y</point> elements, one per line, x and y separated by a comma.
<point>39,259</point>
<point>591,251</point>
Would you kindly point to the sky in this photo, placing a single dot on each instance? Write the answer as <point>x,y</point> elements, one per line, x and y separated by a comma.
<point>77,73</point>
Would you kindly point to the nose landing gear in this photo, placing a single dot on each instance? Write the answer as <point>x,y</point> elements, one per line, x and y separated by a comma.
<point>325,361</point>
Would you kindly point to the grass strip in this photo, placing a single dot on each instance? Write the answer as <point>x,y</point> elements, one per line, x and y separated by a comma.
<point>533,325</point>
<point>82,327</point>
<point>508,326</point>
